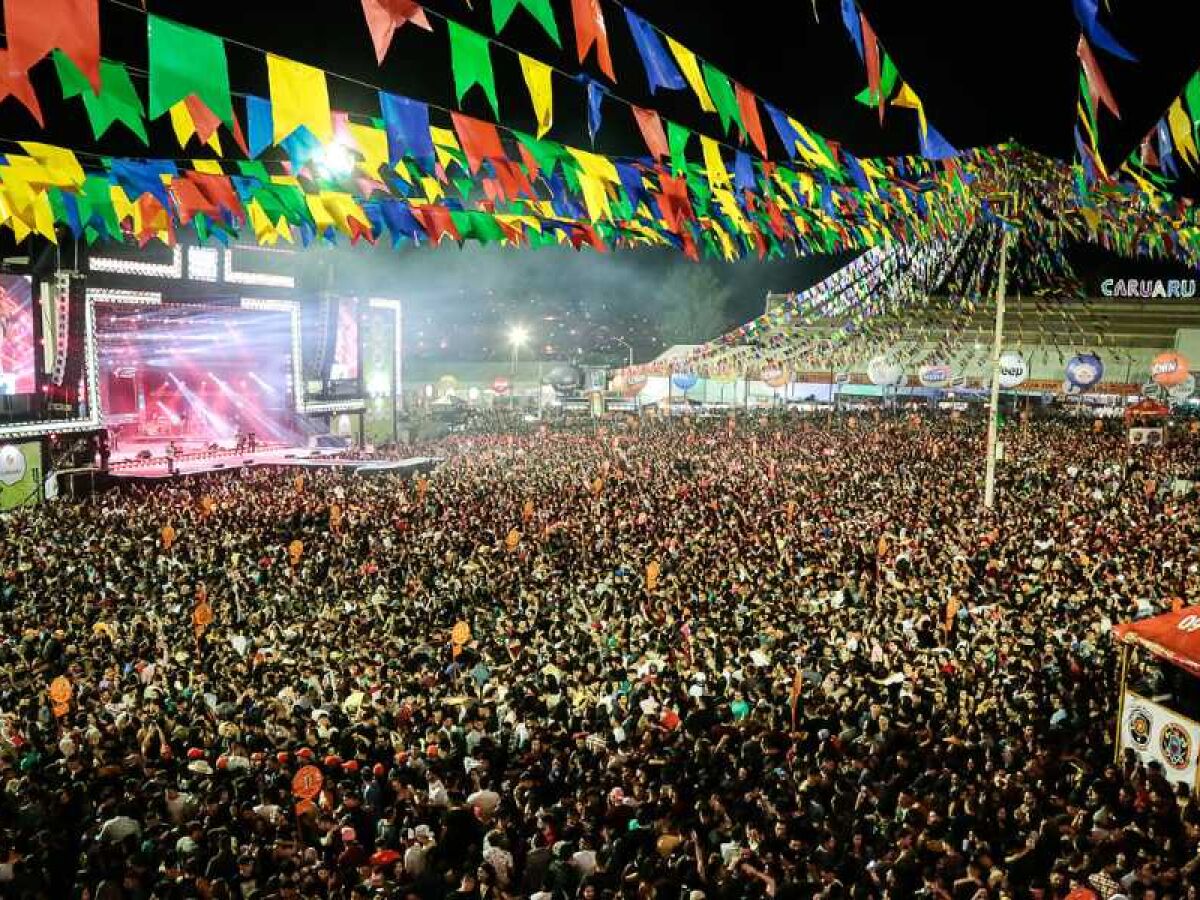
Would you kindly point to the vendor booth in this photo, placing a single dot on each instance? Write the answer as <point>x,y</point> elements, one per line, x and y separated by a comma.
<point>1154,728</point>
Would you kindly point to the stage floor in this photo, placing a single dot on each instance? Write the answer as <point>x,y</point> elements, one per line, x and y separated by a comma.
<point>198,460</point>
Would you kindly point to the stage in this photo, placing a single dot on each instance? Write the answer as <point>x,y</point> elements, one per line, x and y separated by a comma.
<point>196,458</point>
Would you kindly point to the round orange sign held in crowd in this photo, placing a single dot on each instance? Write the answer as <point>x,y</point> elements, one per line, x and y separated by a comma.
<point>307,782</point>
<point>168,536</point>
<point>461,633</point>
<point>513,539</point>
<point>296,551</point>
<point>202,615</point>
<point>60,691</point>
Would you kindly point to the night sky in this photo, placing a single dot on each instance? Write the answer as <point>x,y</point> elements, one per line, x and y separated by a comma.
<point>987,72</point>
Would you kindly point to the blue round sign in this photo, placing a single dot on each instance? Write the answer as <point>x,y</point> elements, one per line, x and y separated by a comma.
<point>1085,371</point>
<point>684,381</point>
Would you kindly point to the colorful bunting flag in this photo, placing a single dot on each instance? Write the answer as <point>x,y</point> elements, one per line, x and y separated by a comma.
<point>651,126</point>
<point>1088,15</point>
<point>407,125</point>
<point>690,67</point>
<point>661,72</point>
<point>723,96</point>
<point>480,140</point>
<point>385,16</point>
<point>748,107</point>
<point>116,102</point>
<point>1097,86</point>
<point>471,62</point>
<point>590,31</point>
<point>15,83</point>
<point>187,62</point>
<point>33,28</point>
<point>541,10</point>
<point>538,79</point>
<point>299,98</point>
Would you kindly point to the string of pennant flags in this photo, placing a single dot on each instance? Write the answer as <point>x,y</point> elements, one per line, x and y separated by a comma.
<point>410,171</point>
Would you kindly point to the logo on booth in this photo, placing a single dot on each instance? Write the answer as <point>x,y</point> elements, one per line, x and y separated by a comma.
<point>1189,624</point>
<point>1140,724</point>
<point>12,464</point>
<point>1176,745</point>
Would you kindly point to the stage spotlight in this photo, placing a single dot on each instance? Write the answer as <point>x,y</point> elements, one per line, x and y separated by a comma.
<point>333,161</point>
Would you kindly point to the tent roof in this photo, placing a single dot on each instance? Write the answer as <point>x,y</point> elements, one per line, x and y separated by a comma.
<point>1173,636</point>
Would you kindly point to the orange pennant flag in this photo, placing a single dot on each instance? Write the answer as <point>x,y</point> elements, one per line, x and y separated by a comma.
<point>385,16</point>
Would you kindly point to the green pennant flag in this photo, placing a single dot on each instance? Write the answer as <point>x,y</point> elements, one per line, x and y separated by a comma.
<point>547,154</point>
<point>471,62</point>
<point>723,97</point>
<point>1191,94</point>
<point>887,84</point>
<point>96,206</point>
<point>185,61</point>
<point>502,11</point>
<point>116,102</point>
<point>677,141</point>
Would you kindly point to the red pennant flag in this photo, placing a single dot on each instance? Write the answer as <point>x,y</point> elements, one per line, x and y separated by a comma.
<point>652,132</point>
<point>203,118</point>
<point>437,222</point>
<point>748,106</point>
<point>480,140</point>
<point>1097,86</point>
<point>512,179</point>
<point>238,137</point>
<point>35,27</point>
<point>189,200</point>
<point>219,191</point>
<point>589,30</point>
<point>871,46</point>
<point>385,16</point>
<point>1149,156</point>
<point>15,83</point>
<point>530,161</point>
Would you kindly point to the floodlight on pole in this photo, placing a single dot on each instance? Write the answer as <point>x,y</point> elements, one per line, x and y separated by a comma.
<point>518,336</point>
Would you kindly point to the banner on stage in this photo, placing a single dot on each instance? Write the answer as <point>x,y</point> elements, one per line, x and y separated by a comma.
<point>1157,734</point>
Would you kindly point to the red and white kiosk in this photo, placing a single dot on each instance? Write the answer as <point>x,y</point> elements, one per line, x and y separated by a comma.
<point>1154,731</point>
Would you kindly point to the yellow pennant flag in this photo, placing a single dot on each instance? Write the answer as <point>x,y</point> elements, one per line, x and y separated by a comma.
<point>595,197</point>
<point>541,92</point>
<point>595,165</point>
<point>372,144</point>
<point>443,142</point>
<point>1181,131</point>
<point>691,71</point>
<point>907,98</point>
<point>299,96</point>
<point>718,175</point>
<point>59,163</point>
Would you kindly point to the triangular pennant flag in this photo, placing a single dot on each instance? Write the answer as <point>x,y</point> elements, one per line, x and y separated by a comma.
<point>661,72</point>
<point>590,30</point>
<point>480,140</point>
<point>117,101</point>
<point>407,124</point>
<point>385,16</point>
<point>259,125</point>
<point>723,97</point>
<point>714,166</point>
<point>652,132</point>
<point>15,83</point>
<point>538,77</point>
<point>541,10</point>
<point>906,97</point>
<point>471,63</point>
<point>187,61</point>
<point>33,28</point>
<point>887,83</point>
<point>934,146</point>
<point>1087,13</point>
<point>595,98</point>
<point>748,106</point>
<point>203,118</point>
<point>677,140</point>
<point>1181,131</point>
<point>853,25</point>
<point>1097,86</point>
<point>871,48</point>
<point>299,97</point>
<point>690,67</point>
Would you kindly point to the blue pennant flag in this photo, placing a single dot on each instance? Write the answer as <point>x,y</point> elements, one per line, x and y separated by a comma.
<point>854,26</point>
<point>787,133</point>
<point>661,71</point>
<point>1088,14</point>
<point>407,124</point>
<point>260,127</point>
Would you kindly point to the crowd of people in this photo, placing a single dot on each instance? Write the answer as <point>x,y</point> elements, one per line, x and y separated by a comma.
<point>719,660</point>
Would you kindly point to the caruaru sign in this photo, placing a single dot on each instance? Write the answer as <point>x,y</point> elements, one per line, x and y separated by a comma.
<point>1149,288</point>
